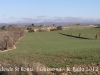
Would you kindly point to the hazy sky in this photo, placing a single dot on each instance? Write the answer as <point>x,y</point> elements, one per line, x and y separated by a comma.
<point>49,10</point>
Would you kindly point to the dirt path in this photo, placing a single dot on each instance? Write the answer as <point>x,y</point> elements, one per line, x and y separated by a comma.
<point>9,49</point>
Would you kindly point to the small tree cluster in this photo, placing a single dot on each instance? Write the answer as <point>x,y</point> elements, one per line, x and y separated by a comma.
<point>59,27</point>
<point>4,28</point>
<point>10,37</point>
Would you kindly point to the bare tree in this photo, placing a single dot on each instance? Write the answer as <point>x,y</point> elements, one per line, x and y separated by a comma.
<point>96,36</point>
<point>6,39</point>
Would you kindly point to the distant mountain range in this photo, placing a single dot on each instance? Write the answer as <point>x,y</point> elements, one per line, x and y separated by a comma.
<point>49,23</point>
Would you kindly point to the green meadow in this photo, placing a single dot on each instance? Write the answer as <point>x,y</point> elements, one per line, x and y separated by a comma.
<point>55,50</point>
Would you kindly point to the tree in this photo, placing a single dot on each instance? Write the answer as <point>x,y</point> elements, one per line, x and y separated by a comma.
<point>32,24</point>
<point>96,36</point>
<point>3,27</point>
<point>78,24</point>
<point>6,39</point>
<point>79,34</point>
<point>53,24</point>
<point>59,27</point>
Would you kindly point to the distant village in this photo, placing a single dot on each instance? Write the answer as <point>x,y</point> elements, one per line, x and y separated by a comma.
<point>42,28</point>
<point>53,27</point>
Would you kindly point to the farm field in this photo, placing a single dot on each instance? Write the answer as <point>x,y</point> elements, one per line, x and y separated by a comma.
<point>56,50</point>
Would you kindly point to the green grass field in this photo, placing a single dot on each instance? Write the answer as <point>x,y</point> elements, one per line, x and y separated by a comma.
<point>56,50</point>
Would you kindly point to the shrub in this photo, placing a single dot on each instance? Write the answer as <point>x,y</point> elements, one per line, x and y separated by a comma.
<point>3,27</point>
<point>10,37</point>
<point>29,28</point>
<point>59,28</point>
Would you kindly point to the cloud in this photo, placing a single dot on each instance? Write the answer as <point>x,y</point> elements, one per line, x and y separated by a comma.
<point>61,19</point>
<point>11,17</point>
<point>41,16</point>
<point>3,15</point>
<point>27,19</point>
<point>74,19</point>
<point>68,19</point>
<point>93,19</point>
<point>31,19</point>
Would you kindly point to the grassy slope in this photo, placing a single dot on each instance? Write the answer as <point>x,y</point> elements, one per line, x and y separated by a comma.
<point>56,50</point>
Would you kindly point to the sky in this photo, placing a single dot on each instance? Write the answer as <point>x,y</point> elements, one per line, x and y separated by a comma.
<point>19,11</point>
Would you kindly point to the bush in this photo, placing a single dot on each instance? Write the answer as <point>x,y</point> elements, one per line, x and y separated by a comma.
<point>29,28</point>
<point>3,27</point>
<point>10,37</point>
<point>59,28</point>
